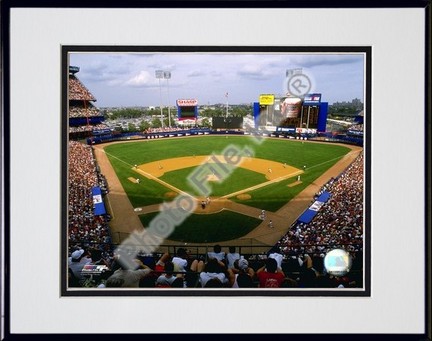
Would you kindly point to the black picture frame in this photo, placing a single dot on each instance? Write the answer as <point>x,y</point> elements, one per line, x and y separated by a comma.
<point>8,190</point>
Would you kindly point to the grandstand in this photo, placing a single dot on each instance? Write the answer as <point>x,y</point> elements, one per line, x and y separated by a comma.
<point>84,116</point>
<point>86,227</point>
<point>299,253</point>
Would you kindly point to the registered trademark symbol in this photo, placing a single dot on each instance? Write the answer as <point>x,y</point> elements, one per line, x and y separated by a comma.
<point>299,84</point>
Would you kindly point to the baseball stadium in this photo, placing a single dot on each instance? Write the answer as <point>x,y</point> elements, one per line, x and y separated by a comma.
<point>238,205</point>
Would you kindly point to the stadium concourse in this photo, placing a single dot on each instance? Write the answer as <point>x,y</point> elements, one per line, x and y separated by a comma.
<point>294,251</point>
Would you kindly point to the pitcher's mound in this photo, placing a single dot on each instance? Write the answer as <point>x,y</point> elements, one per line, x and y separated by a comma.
<point>243,196</point>
<point>212,177</point>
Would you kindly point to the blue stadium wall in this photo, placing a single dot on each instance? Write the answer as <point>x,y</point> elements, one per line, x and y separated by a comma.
<point>82,121</point>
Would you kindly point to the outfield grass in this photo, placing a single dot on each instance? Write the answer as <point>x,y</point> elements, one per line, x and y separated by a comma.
<point>209,228</point>
<point>153,150</point>
<point>293,152</point>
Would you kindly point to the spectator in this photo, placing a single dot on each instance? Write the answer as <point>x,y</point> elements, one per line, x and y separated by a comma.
<point>180,261</point>
<point>269,276</point>
<point>231,257</point>
<point>241,276</point>
<point>77,90</point>
<point>214,269</point>
<point>217,253</point>
<point>184,263</point>
<point>86,229</point>
<point>243,280</point>
<point>166,279</point>
<point>339,222</point>
<point>77,261</point>
<point>160,264</point>
<point>127,278</point>
<point>278,257</point>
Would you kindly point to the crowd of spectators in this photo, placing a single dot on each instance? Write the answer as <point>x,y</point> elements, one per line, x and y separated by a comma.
<point>184,270</point>
<point>181,270</point>
<point>80,106</point>
<point>339,222</point>
<point>357,127</point>
<point>85,229</point>
<point>76,111</point>
<point>87,128</point>
<point>77,90</point>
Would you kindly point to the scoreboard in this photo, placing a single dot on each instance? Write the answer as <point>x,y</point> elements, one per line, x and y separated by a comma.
<point>187,109</point>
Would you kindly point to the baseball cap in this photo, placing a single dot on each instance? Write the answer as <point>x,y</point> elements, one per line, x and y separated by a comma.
<point>243,264</point>
<point>77,254</point>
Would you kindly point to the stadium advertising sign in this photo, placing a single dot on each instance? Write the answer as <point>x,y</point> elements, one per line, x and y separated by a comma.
<point>305,131</point>
<point>355,132</point>
<point>266,99</point>
<point>187,102</point>
<point>290,107</point>
<point>98,204</point>
<point>312,99</point>
<point>90,269</point>
<point>285,130</point>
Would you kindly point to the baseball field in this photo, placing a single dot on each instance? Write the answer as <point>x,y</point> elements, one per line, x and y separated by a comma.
<point>243,177</point>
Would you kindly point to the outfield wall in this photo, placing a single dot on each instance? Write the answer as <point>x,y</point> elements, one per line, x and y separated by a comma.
<point>358,141</point>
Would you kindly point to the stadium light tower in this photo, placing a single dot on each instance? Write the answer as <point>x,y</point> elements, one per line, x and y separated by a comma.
<point>159,75</point>
<point>226,113</point>
<point>167,76</point>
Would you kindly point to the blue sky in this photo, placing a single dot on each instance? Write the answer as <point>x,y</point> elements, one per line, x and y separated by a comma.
<point>128,79</point>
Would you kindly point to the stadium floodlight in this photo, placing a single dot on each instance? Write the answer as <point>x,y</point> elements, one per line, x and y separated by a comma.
<point>167,76</point>
<point>159,75</point>
<point>226,112</point>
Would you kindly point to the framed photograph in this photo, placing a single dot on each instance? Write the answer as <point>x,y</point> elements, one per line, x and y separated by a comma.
<point>266,158</point>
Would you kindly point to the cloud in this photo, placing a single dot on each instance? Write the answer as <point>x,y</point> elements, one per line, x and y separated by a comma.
<point>99,71</point>
<point>325,60</point>
<point>208,76</point>
<point>254,71</point>
<point>142,79</point>
<point>196,73</point>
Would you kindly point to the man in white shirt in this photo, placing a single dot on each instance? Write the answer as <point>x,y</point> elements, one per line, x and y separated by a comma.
<point>232,256</point>
<point>180,260</point>
<point>217,253</point>
<point>77,261</point>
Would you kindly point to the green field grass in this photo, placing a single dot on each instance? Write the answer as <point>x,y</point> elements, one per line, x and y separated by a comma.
<point>316,157</point>
<point>293,152</point>
<point>145,193</point>
<point>209,228</point>
<point>276,195</point>
<point>239,179</point>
